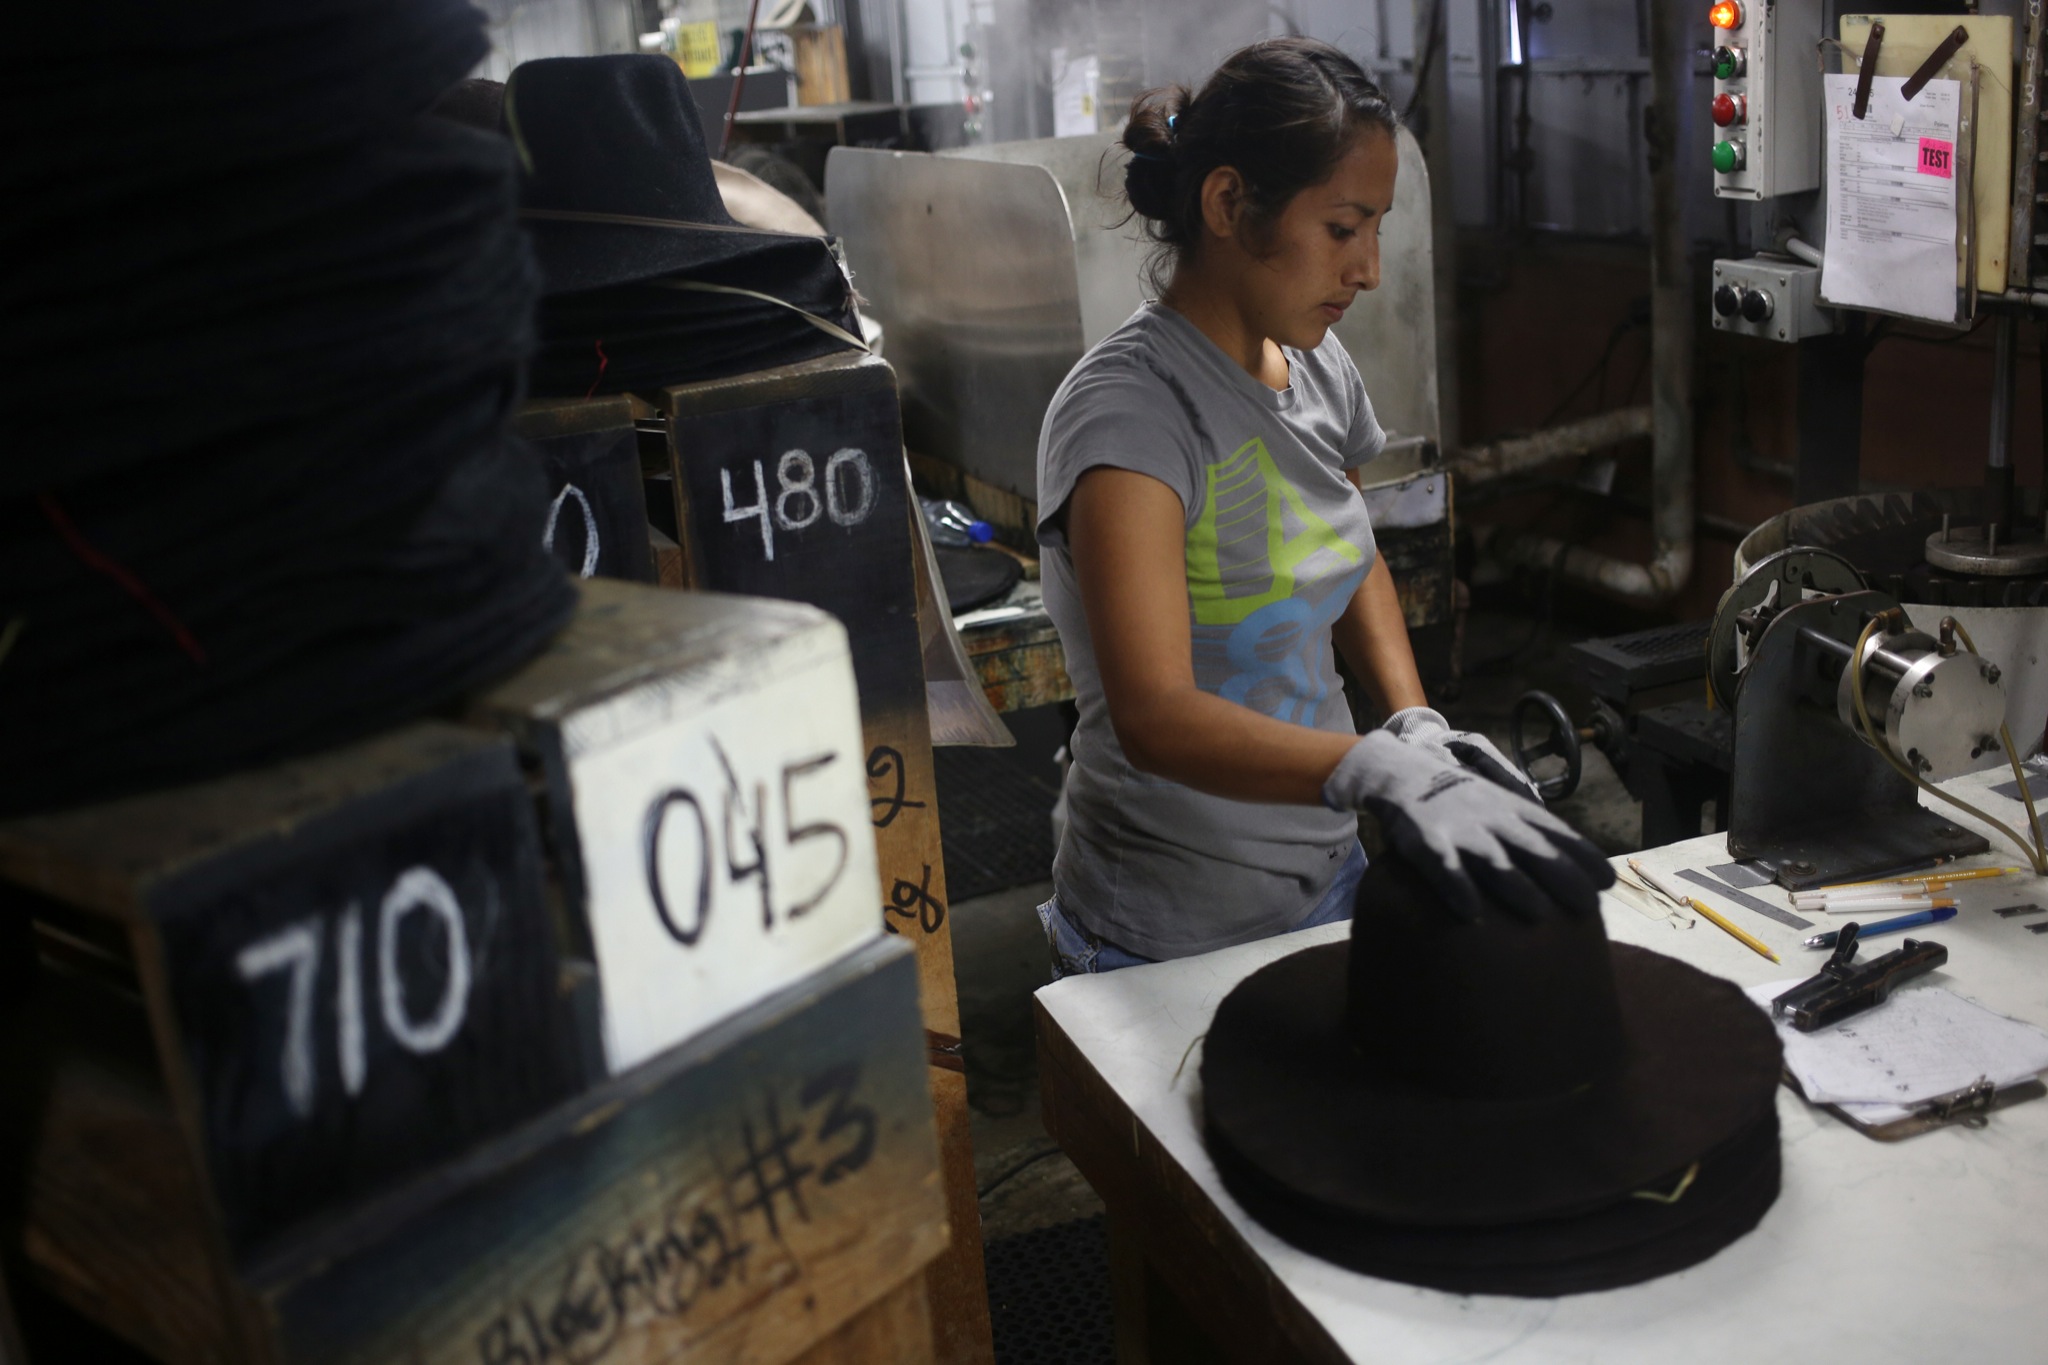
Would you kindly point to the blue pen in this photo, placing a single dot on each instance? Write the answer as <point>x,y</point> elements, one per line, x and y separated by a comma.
<point>1885,926</point>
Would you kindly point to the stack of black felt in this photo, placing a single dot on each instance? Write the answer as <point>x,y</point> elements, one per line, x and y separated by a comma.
<point>262,323</point>
<point>1492,1107</point>
<point>649,280</point>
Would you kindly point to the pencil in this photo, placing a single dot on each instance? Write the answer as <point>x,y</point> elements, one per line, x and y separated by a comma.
<point>1749,941</point>
<point>1933,881</point>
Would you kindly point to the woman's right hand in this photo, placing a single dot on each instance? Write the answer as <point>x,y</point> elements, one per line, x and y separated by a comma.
<point>1474,842</point>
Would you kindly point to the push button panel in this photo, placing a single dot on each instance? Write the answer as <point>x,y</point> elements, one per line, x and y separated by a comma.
<point>1771,298</point>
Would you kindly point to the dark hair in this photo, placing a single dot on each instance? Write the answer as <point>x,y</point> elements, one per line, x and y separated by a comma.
<point>1282,112</point>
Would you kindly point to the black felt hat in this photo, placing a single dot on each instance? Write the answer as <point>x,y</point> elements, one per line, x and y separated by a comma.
<point>616,180</point>
<point>1497,1107</point>
<point>261,363</point>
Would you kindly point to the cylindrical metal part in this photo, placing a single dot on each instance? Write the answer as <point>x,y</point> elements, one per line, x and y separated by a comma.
<point>1820,640</point>
<point>1939,715</point>
<point>1998,476</point>
<point>2005,334</point>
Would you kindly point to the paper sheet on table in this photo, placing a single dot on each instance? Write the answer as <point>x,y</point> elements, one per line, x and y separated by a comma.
<point>1891,238</point>
<point>1922,1043</point>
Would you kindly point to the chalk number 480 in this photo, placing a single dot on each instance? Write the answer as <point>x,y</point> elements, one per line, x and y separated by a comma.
<point>844,492</point>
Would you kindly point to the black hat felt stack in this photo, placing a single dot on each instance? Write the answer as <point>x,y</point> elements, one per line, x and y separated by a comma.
<point>1496,1108</point>
<point>649,280</point>
<point>262,325</point>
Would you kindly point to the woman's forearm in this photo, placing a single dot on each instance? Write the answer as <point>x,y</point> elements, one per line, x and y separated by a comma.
<point>1202,741</point>
<point>1372,635</point>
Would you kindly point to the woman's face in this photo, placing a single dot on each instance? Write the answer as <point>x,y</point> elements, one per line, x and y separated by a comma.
<point>1324,248</point>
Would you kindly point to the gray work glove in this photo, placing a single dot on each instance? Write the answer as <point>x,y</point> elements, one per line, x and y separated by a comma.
<point>1427,729</point>
<point>1473,842</point>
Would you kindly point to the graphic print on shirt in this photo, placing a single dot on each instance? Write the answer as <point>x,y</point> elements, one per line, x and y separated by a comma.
<point>1267,578</point>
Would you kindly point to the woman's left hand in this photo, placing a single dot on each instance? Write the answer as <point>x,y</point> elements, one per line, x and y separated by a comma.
<point>1425,728</point>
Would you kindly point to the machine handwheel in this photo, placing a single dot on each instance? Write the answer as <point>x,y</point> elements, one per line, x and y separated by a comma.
<point>1539,728</point>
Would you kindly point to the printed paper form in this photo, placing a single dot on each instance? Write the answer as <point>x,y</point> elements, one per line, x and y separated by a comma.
<point>1891,238</point>
<point>1922,1043</point>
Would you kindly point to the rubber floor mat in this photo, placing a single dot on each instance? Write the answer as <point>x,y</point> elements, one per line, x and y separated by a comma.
<point>1048,1295</point>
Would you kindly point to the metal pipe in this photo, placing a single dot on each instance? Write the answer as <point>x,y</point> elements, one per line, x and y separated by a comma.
<point>2005,332</point>
<point>1671,334</point>
<point>1433,93</point>
<point>739,78</point>
<point>1478,465</point>
<point>1998,476</point>
<point>1805,251</point>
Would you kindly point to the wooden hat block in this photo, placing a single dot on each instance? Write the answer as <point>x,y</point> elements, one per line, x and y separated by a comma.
<point>312,1080</point>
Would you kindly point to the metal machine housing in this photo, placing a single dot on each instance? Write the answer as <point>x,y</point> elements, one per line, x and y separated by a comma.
<point>1809,797</point>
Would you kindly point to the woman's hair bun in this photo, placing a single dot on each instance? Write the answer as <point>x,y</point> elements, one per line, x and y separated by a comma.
<point>1148,136</point>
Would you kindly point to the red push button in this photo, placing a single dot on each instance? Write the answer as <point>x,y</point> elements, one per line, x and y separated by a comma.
<point>1730,109</point>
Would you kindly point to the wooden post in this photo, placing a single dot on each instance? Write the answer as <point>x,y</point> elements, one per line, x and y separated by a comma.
<point>791,483</point>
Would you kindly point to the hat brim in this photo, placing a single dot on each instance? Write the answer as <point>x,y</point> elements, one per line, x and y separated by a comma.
<point>1287,1092</point>
<point>579,256</point>
<point>1627,1242</point>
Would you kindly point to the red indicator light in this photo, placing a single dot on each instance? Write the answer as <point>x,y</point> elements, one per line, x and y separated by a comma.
<point>1730,109</point>
<point>1726,14</point>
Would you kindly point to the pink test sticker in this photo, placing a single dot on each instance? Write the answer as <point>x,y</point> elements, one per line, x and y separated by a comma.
<point>1937,157</point>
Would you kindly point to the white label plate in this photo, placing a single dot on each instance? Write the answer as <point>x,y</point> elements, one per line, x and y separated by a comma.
<point>723,823</point>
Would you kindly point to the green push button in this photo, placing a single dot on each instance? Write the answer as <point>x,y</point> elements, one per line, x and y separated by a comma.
<point>1727,157</point>
<point>1727,64</point>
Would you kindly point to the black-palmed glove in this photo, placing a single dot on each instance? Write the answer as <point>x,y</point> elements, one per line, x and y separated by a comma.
<point>1427,729</point>
<point>1474,842</point>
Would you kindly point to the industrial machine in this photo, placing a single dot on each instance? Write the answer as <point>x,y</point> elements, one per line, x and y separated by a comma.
<point>1843,712</point>
<point>1832,711</point>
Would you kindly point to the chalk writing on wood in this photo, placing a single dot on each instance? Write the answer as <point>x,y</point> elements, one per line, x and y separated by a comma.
<point>706,1251</point>
<point>371,993</point>
<point>294,952</point>
<point>597,518</point>
<point>592,542</point>
<point>845,493</point>
<point>722,825</point>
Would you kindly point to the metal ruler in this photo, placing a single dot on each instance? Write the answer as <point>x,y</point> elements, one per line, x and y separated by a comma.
<point>1747,901</point>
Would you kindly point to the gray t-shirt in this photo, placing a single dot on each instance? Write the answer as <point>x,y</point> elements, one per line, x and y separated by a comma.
<point>1278,541</point>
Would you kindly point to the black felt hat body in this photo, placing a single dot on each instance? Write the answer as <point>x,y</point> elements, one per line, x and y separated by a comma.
<point>648,280</point>
<point>264,322</point>
<point>616,180</point>
<point>1496,1107</point>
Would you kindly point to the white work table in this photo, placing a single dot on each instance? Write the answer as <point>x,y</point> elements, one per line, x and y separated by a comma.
<point>1934,1248</point>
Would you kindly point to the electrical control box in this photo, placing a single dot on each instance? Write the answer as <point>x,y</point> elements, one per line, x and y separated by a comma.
<point>1774,299</point>
<point>1767,97</point>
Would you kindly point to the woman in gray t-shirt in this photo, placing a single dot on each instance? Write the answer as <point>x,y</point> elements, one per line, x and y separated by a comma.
<point>1205,545</point>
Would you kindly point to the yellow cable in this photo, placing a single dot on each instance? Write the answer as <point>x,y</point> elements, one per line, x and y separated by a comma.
<point>2011,754</point>
<point>2034,854</point>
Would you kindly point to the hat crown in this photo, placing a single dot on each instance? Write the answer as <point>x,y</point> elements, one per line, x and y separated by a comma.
<point>1498,1009</point>
<point>615,134</point>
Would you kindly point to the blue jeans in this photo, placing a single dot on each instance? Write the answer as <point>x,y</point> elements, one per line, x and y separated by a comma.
<point>1075,951</point>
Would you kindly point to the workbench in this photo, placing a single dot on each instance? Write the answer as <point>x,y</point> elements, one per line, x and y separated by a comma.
<point>1926,1249</point>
